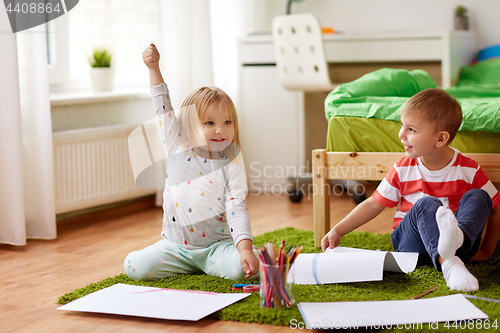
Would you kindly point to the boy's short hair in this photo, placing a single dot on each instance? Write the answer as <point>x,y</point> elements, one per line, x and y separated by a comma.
<point>438,107</point>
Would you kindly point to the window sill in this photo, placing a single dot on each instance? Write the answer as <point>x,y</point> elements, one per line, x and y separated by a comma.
<point>91,97</point>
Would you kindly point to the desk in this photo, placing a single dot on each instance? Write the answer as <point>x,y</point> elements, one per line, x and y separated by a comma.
<point>273,120</point>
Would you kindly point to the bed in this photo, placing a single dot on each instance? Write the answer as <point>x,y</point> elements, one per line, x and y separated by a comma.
<point>363,125</point>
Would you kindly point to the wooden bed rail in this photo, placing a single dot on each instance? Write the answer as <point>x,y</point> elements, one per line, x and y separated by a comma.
<point>363,166</point>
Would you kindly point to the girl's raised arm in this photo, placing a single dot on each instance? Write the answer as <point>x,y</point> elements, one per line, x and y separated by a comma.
<point>151,58</point>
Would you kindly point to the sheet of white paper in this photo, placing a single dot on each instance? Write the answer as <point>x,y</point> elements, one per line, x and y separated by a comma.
<point>341,249</point>
<point>373,315</point>
<point>124,299</point>
<point>343,264</point>
<point>403,262</point>
<point>322,268</point>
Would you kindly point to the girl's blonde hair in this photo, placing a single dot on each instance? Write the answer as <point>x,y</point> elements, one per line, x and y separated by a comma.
<point>194,109</point>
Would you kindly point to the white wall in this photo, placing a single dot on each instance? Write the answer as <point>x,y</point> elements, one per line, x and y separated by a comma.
<point>383,15</point>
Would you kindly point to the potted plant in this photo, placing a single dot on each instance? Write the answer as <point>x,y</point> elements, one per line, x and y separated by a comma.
<point>461,21</point>
<point>101,72</point>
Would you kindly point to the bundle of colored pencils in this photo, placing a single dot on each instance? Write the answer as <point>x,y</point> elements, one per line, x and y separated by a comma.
<point>274,275</point>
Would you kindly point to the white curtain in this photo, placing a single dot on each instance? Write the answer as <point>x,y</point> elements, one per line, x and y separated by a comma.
<point>198,46</point>
<point>27,209</point>
<point>228,22</point>
<point>185,47</point>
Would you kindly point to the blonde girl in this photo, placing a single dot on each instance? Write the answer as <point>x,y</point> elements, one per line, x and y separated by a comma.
<point>206,227</point>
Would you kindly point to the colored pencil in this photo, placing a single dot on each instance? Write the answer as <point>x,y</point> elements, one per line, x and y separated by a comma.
<point>274,274</point>
<point>425,293</point>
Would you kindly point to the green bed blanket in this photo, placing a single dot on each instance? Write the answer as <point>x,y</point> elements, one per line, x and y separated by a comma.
<point>382,93</point>
<point>377,135</point>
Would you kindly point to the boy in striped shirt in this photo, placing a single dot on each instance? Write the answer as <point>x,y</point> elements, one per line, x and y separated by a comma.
<point>445,198</point>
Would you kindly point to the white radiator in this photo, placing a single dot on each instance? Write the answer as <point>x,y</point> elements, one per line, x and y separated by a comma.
<point>92,168</point>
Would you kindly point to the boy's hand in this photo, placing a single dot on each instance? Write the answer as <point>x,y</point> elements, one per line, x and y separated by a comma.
<point>249,262</point>
<point>331,240</point>
<point>480,256</point>
<point>151,57</point>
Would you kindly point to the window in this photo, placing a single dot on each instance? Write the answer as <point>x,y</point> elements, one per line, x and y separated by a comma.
<point>126,27</point>
<point>57,50</point>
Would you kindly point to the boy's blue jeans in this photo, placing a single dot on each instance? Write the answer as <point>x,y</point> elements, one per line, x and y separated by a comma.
<point>419,232</point>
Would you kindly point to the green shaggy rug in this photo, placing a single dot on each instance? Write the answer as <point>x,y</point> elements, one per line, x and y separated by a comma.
<point>395,286</point>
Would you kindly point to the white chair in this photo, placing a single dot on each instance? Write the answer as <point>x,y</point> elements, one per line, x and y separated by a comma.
<point>301,62</point>
<point>300,53</point>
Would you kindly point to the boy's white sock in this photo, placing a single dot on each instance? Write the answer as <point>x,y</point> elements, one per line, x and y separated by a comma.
<point>450,235</point>
<point>457,276</point>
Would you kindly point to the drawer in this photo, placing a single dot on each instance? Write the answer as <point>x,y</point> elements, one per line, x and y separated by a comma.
<point>257,53</point>
<point>384,50</point>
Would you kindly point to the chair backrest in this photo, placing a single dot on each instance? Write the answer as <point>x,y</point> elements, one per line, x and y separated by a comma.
<point>300,53</point>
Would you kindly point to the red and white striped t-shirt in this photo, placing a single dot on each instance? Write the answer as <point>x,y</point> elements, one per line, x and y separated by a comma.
<point>409,180</point>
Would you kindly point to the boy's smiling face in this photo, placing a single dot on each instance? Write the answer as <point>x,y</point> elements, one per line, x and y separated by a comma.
<point>418,136</point>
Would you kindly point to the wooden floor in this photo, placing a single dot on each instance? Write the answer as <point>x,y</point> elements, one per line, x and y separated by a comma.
<point>90,249</point>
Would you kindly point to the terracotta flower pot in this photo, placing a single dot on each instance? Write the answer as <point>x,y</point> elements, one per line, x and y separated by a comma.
<point>461,23</point>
